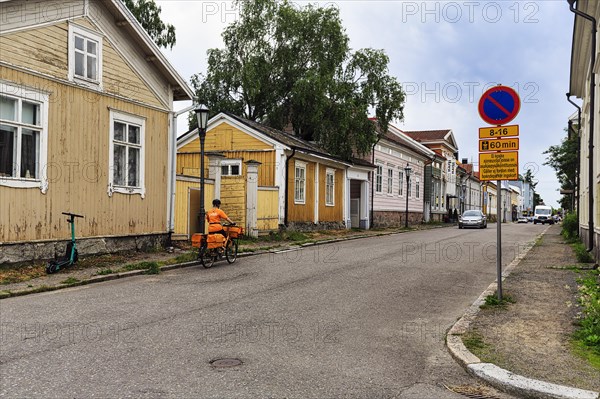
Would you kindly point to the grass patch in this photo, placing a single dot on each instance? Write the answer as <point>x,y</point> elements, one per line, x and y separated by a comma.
<point>583,351</point>
<point>475,342</point>
<point>588,333</point>
<point>183,258</point>
<point>104,272</point>
<point>492,301</point>
<point>538,241</point>
<point>70,281</point>
<point>150,267</point>
<point>19,274</point>
<point>583,256</point>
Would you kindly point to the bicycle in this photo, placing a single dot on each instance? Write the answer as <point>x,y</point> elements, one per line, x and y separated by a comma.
<point>212,247</point>
<point>71,254</point>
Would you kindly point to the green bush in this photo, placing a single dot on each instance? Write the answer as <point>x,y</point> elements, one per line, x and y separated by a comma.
<point>570,226</point>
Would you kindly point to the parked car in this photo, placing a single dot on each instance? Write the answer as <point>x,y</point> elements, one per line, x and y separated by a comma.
<point>472,218</point>
<point>522,219</point>
<point>530,219</point>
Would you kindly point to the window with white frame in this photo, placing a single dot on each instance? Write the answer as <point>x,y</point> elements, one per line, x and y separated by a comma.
<point>300,183</point>
<point>409,188</point>
<point>330,187</point>
<point>400,181</point>
<point>417,187</point>
<point>390,181</point>
<point>231,167</point>
<point>126,157</point>
<point>379,178</point>
<point>85,55</point>
<point>23,137</point>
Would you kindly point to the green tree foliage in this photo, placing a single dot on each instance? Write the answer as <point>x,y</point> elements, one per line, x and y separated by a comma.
<point>563,158</point>
<point>285,65</point>
<point>148,15</point>
<point>529,178</point>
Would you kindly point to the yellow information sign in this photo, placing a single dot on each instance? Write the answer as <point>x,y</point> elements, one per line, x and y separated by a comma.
<point>499,166</point>
<point>498,145</point>
<point>498,131</point>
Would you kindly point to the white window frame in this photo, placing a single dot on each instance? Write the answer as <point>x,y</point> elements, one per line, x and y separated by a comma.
<point>400,182</point>
<point>390,180</point>
<point>417,187</point>
<point>116,116</point>
<point>76,30</point>
<point>229,163</point>
<point>20,92</point>
<point>379,178</point>
<point>329,188</point>
<point>299,165</point>
<point>409,188</point>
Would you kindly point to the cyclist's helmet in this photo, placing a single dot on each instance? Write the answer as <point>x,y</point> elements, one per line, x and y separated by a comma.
<point>217,202</point>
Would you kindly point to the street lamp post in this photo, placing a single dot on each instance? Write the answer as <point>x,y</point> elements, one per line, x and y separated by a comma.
<point>407,171</point>
<point>202,117</point>
<point>464,198</point>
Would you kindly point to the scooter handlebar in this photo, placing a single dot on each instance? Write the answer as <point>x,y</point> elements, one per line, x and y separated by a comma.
<point>73,215</point>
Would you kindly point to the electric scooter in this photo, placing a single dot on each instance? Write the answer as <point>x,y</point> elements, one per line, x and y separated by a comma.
<point>71,254</point>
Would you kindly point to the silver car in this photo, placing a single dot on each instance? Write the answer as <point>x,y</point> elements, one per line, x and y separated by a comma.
<point>472,218</point>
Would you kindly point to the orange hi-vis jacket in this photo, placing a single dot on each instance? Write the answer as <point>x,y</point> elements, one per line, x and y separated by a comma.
<point>214,217</point>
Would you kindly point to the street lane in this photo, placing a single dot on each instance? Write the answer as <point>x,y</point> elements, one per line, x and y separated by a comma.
<point>356,319</point>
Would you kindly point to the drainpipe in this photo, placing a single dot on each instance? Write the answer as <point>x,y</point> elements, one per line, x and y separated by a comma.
<point>287,185</point>
<point>578,150</point>
<point>591,129</point>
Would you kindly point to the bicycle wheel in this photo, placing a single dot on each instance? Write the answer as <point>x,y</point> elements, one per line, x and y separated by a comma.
<point>206,256</point>
<point>231,251</point>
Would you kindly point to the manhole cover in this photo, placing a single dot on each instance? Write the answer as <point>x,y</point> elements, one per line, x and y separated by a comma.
<point>224,363</point>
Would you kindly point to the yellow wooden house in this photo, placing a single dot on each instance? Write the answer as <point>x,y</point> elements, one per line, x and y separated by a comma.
<point>299,185</point>
<point>86,104</point>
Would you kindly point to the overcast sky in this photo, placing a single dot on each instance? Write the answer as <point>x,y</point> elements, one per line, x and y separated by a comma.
<point>446,54</point>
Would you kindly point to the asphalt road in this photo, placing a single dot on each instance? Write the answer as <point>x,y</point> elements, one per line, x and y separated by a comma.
<point>357,319</point>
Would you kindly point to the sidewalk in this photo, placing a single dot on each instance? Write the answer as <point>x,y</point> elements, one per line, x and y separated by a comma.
<point>30,279</point>
<point>525,348</point>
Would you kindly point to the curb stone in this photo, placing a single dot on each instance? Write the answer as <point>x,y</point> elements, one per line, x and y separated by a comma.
<point>494,375</point>
<point>108,277</point>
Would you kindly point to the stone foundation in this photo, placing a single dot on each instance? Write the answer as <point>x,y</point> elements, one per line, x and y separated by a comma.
<point>383,219</point>
<point>308,226</point>
<point>15,253</point>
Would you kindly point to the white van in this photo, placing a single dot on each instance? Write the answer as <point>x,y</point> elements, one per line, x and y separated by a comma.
<point>543,215</point>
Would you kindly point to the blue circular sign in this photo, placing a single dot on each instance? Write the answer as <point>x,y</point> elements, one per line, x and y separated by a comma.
<point>499,105</point>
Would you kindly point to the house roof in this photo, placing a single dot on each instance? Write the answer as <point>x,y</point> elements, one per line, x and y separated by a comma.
<point>398,137</point>
<point>272,135</point>
<point>181,90</point>
<point>426,137</point>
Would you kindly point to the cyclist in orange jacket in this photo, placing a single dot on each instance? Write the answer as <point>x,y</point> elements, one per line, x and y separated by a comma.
<point>214,217</point>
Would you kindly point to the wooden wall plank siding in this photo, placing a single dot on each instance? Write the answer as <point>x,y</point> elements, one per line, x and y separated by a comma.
<point>233,198</point>
<point>21,14</point>
<point>267,212</point>
<point>235,144</point>
<point>78,145</point>
<point>331,213</point>
<point>302,212</point>
<point>43,49</point>
<point>121,80</point>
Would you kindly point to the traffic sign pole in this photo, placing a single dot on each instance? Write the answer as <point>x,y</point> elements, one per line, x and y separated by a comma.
<point>498,106</point>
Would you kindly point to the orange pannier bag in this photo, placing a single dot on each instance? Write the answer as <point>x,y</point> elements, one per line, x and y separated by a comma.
<point>197,240</point>
<point>234,231</point>
<point>215,241</point>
